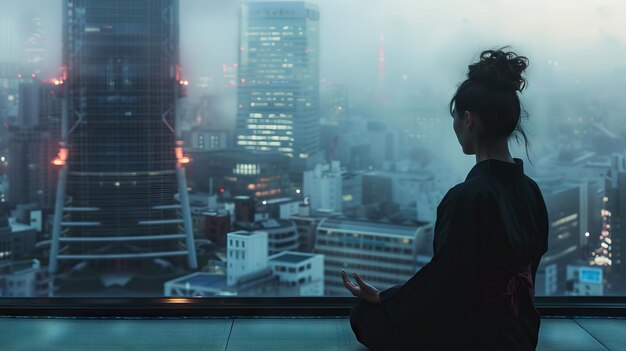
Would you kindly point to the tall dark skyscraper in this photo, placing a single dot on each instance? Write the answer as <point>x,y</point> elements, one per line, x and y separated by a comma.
<point>278,97</point>
<point>122,198</point>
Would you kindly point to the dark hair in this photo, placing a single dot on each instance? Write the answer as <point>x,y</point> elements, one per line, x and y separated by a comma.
<point>490,91</point>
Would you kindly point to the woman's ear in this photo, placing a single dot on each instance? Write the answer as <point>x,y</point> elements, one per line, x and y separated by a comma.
<point>468,119</point>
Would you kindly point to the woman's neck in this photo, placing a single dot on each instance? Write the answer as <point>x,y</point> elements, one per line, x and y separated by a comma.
<point>497,150</point>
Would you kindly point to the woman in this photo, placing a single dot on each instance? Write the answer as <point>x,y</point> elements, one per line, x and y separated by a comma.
<point>491,231</point>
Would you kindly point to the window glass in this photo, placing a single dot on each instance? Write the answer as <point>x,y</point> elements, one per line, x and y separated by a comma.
<point>142,143</point>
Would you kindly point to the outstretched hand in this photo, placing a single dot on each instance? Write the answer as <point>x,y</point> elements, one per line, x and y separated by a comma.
<point>362,290</point>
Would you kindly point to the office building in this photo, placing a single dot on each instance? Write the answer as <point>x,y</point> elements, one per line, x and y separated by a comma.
<point>278,94</point>
<point>566,202</point>
<point>616,204</point>
<point>231,173</point>
<point>385,254</point>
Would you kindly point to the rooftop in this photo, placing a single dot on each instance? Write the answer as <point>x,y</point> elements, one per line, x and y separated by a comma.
<point>270,224</point>
<point>244,233</point>
<point>370,227</point>
<point>20,227</point>
<point>240,156</point>
<point>291,257</point>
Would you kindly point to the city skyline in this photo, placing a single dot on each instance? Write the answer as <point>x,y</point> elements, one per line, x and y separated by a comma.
<point>381,165</point>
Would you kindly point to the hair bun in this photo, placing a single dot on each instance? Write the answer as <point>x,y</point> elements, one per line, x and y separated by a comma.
<point>500,70</point>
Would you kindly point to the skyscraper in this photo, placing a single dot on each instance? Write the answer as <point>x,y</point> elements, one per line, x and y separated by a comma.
<point>122,199</point>
<point>278,96</point>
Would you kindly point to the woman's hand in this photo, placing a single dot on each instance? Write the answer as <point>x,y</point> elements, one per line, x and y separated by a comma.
<point>363,290</point>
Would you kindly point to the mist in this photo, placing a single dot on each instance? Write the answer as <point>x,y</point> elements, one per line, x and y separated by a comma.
<point>576,50</point>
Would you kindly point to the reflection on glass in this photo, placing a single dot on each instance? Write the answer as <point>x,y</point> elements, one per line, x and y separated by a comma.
<point>206,148</point>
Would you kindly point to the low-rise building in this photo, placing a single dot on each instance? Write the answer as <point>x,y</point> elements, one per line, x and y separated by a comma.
<point>299,269</point>
<point>25,278</point>
<point>250,272</point>
<point>385,253</point>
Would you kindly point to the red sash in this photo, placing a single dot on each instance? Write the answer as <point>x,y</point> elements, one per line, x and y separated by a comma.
<point>502,295</point>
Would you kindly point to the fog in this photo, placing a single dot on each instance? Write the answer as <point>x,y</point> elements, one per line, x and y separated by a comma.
<point>576,49</point>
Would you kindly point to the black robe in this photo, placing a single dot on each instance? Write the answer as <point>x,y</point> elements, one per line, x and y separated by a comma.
<point>477,290</point>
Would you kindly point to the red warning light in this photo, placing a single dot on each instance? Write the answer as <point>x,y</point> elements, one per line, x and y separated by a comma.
<point>180,157</point>
<point>61,157</point>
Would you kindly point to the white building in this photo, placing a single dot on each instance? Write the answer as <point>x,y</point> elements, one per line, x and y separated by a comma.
<point>251,273</point>
<point>299,269</point>
<point>323,186</point>
<point>246,253</point>
<point>25,278</point>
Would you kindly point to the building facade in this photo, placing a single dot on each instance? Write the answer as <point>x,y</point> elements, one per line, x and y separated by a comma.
<point>385,254</point>
<point>302,270</point>
<point>566,202</point>
<point>323,187</point>
<point>122,195</point>
<point>246,253</point>
<point>278,94</point>
<point>282,234</point>
<point>231,173</point>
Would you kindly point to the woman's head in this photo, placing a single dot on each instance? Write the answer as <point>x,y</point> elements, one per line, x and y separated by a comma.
<point>486,108</point>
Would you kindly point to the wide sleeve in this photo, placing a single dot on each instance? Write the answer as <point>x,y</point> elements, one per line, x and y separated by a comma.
<point>543,229</point>
<point>442,289</point>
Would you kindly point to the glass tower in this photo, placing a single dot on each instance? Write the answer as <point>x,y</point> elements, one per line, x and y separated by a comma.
<point>122,200</point>
<point>278,96</point>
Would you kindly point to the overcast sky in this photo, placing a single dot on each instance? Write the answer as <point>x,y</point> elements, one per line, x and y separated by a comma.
<point>429,40</point>
<point>575,47</point>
